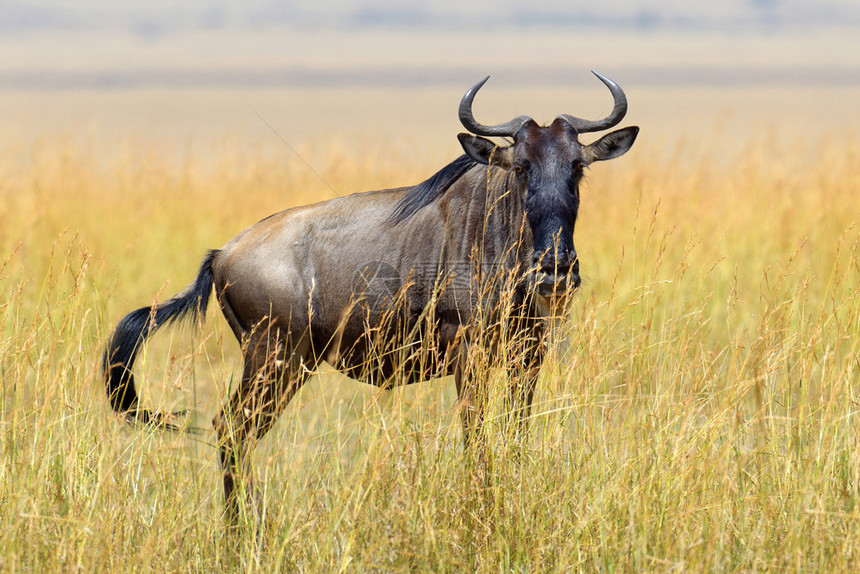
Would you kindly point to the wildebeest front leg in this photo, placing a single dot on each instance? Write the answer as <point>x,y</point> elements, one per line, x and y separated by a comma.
<point>470,401</point>
<point>523,380</point>
<point>269,382</point>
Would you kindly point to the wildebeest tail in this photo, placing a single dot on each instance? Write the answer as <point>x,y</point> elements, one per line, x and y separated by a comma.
<point>134,329</point>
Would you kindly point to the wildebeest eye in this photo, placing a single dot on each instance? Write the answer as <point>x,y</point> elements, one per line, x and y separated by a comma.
<point>520,167</point>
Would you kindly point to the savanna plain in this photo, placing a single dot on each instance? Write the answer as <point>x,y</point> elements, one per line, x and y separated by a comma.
<point>698,409</point>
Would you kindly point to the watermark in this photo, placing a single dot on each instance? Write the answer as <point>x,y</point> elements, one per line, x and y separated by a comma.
<point>449,287</point>
<point>378,283</point>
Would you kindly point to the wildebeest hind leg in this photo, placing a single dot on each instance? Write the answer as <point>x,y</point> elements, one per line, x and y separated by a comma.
<point>270,379</point>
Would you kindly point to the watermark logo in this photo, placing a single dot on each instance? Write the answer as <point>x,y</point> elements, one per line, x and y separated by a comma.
<point>461,285</point>
<point>377,283</point>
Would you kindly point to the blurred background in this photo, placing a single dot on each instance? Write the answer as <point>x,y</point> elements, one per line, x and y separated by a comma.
<point>181,75</point>
<point>701,408</point>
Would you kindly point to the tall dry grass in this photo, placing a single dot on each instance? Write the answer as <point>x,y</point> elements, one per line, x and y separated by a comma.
<point>697,412</point>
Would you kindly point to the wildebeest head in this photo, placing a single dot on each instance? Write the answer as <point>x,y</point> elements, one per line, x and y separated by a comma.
<point>547,164</point>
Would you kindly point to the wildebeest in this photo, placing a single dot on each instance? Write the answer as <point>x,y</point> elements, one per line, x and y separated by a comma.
<point>486,242</point>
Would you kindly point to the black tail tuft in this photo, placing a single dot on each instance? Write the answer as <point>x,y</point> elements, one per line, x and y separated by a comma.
<point>134,329</point>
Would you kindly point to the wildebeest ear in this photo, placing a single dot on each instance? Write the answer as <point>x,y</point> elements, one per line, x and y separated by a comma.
<point>611,145</point>
<point>483,150</point>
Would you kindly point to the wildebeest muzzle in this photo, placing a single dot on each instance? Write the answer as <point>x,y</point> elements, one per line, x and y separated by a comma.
<point>554,275</point>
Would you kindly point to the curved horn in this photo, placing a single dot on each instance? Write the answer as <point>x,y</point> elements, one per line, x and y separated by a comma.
<point>617,114</point>
<point>470,123</point>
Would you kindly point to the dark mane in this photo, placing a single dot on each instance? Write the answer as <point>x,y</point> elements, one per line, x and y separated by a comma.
<point>432,189</point>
